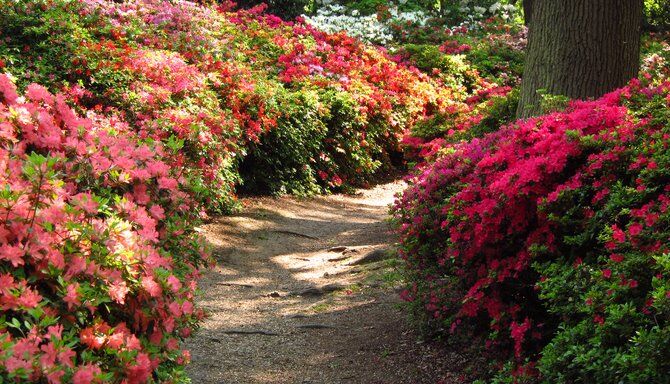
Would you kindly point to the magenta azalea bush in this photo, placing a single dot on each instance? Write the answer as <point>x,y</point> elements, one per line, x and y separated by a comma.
<point>549,239</point>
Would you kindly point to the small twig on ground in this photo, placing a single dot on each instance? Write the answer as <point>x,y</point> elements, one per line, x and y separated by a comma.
<point>314,326</point>
<point>236,285</point>
<point>249,332</point>
<point>294,234</point>
<point>341,248</point>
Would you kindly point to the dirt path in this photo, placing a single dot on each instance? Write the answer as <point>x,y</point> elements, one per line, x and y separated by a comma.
<point>301,296</point>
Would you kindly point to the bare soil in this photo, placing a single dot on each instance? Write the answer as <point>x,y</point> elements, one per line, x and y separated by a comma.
<point>306,291</point>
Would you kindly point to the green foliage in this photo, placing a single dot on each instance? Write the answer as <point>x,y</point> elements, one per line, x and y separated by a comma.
<point>498,59</point>
<point>366,7</point>
<point>552,103</point>
<point>500,111</point>
<point>456,12</point>
<point>318,145</point>
<point>286,9</point>
<point>657,15</point>
<point>428,57</point>
<point>283,160</point>
<point>38,45</point>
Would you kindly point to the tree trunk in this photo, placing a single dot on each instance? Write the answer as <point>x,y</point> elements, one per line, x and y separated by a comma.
<point>580,49</point>
<point>527,11</point>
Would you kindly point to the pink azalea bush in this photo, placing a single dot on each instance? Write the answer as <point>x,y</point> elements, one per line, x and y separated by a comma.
<point>548,239</point>
<point>98,258</point>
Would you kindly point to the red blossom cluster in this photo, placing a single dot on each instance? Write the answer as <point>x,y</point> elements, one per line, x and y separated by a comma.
<point>453,47</point>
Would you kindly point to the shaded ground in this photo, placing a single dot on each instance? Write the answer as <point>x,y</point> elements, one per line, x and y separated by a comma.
<point>290,304</point>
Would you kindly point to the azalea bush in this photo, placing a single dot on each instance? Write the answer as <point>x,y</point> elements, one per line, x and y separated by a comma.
<point>98,255</point>
<point>392,23</point>
<point>490,107</point>
<point>483,62</point>
<point>286,9</point>
<point>547,240</point>
<point>456,12</point>
<point>494,47</point>
<point>656,55</point>
<point>610,271</point>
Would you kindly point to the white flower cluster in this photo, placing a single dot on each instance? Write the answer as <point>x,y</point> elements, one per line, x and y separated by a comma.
<point>333,18</point>
<point>657,63</point>
<point>477,12</point>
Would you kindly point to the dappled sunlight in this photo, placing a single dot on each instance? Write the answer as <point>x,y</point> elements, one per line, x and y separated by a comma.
<point>318,266</point>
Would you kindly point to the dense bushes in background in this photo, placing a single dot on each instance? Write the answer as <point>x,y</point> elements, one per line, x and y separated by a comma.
<point>549,237</point>
<point>286,9</point>
<point>656,55</point>
<point>390,23</point>
<point>217,82</point>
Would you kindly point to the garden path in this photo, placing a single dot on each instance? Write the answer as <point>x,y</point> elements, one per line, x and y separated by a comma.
<point>292,301</point>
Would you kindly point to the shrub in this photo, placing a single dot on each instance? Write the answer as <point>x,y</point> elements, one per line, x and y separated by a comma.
<point>286,9</point>
<point>656,55</point>
<point>498,54</point>
<point>98,257</point>
<point>493,47</point>
<point>551,230</point>
<point>457,12</point>
<point>430,57</point>
<point>284,159</point>
<point>367,7</point>
<point>361,22</point>
<point>482,113</point>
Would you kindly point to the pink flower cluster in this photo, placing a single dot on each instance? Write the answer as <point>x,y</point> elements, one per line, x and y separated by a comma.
<point>97,259</point>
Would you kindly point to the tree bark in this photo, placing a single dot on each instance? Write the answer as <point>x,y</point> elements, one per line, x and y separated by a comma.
<point>580,49</point>
<point>527,11</point>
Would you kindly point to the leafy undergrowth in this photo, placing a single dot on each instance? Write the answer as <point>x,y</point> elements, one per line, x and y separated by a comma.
<point>485,61</point>
<point>549,240</point>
